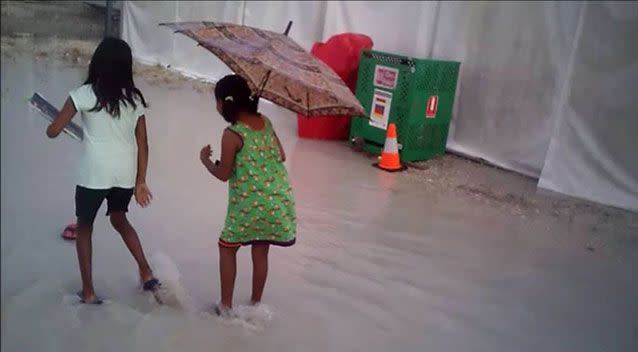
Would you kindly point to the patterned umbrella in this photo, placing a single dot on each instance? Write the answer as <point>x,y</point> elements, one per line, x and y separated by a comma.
<point>276,67</point>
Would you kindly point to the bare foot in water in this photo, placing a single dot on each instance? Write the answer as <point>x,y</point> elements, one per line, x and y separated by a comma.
<point>89,298</point>
<point>223,311</point>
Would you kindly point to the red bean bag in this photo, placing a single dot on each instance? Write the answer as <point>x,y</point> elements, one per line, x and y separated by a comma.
<point>341,52</point>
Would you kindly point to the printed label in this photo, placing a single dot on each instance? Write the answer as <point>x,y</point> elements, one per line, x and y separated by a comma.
<point>385,77</point>
<point>380,110</point>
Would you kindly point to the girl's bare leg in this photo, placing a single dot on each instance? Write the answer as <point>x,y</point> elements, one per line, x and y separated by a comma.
<point>129,236</point>
<point>227,273</point>
<point>85,252</point>
<point>260,271</point>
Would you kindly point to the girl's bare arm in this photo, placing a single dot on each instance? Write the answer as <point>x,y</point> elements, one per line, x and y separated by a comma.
<point>281,149</point>
<point>142,150</point>
<point>64,117</point>
<point>231,144</point>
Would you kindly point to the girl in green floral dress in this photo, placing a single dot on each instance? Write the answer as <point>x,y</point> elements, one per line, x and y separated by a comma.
<point>261,207</point>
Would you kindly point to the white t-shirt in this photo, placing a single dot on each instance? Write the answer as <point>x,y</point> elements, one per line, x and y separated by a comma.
<point>110,147</point>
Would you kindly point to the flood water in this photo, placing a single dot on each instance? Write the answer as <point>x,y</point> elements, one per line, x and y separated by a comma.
<point>380,264</point>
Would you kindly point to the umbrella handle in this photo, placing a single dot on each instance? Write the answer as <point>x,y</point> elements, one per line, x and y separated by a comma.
<point>261,87</point>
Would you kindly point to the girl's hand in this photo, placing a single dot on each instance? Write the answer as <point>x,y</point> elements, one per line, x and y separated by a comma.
<point>143,195</point>
<point>205,154</point>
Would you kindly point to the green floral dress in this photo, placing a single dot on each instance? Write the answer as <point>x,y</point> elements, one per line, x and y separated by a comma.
<point>261,206</point>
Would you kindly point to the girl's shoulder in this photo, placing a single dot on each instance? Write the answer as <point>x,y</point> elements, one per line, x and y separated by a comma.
<point>266,120</point>
<point>240,127</point>
<point>267,123</point>
<point>233,131</point>
<point>236,127</point>
<point>83,97</point>
<point>85,89</point>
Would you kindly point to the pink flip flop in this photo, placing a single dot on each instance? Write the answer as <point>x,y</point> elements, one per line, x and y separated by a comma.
<point>69,232</point>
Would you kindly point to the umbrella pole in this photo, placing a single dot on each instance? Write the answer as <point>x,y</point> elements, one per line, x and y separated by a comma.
<point>263,85</point>
<point>288,28</point>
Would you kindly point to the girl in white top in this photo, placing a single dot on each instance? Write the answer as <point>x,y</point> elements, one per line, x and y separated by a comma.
<point>113,165</point>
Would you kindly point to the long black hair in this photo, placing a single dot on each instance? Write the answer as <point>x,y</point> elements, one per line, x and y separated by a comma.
<point>111,77</point>
<point>235,96</point>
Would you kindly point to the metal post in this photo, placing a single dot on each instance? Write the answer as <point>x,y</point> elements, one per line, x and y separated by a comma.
<point>108,31</point>
<point>243,13</point>
<point>434,28</point>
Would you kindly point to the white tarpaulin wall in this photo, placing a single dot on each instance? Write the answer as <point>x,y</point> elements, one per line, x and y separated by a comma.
<point>594,147</point>
<point>546,89</point>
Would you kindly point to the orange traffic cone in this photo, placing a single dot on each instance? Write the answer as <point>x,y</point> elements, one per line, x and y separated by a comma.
<point>389,159</point>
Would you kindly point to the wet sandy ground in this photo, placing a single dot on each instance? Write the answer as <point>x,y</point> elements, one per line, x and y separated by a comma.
<point>456,257</point>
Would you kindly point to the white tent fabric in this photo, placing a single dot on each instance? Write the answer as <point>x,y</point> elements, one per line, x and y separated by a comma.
<point>152,44</point>
<point>593,151</point>
<point>513,59</point>
<point>546,88</point>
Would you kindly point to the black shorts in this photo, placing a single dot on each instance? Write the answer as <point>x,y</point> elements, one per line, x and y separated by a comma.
<point>88,201</point>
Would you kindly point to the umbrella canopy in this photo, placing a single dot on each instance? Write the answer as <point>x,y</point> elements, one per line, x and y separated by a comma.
<point>276,67</point>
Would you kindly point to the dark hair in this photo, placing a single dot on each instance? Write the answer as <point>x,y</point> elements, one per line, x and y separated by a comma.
<point>235,96</point>
<point>111,77</point>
